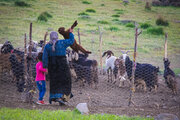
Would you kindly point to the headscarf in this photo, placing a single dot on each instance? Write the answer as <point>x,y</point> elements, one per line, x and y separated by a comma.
<point>53,39</point>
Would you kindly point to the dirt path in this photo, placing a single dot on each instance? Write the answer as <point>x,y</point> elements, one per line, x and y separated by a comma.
<point>108,98</point>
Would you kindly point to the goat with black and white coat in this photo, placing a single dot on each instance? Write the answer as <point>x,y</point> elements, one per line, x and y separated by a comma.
<point>145,74</point>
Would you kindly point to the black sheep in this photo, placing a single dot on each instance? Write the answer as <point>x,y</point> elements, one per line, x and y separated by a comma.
<point>85,69</point>
<point>169,76</point>
<point>146,72</point>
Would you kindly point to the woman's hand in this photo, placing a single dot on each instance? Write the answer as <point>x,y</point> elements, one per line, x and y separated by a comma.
<point>71,30</point>
<point>46,71</point>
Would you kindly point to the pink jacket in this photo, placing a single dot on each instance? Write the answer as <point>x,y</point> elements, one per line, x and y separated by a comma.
<point>40,72</point>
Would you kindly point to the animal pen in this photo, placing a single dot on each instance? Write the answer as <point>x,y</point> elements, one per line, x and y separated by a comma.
<point>142,92</point>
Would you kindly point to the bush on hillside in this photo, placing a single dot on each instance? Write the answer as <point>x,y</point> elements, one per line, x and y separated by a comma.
<point>103,22</point>
<point>155,31</point>
<point>90,10</point>
<point>44,16</point>
<point>115,15</point>
<point>131,25</point>
<point>115,29</point>
<point>86,2</point>
<point>21,4</point>
<point>102,4</point>
<point>84,15</point>
<point>145,25</point>
<point>162,22</point>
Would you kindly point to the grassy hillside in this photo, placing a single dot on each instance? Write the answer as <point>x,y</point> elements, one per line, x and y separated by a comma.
<point>22,114</point>
<point>14,23</point>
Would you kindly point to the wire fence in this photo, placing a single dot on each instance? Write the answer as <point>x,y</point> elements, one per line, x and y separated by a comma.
<point>106,85</point>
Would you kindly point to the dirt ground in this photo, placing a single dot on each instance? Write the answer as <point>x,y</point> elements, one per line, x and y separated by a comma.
<point>108,98</point>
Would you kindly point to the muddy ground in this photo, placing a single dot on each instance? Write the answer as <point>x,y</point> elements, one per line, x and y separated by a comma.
<point>108,98</point>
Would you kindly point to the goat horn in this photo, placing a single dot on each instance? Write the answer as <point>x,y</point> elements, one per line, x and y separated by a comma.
<point>104,54</point>
<point>127,52</point>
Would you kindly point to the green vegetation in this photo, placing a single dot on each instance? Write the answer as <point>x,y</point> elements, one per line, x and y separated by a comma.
<point>102,4</point>
<point>115,29</point>
<point>162,22</point>
<point>14,23</point>
<point>145,25</point>
<point>86,2</point>
<point>119,11</point>
<point>90,10</point>
<point>176,70</point>
<point>131,25</point>
<point>103,22</point>
<point>115,15</point>
<point>22,114</point>
<point>44,16</point>
<point>155,30</point>
<point>21,4</point>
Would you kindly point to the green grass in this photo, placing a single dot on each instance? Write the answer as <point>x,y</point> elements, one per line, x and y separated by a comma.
<point>103,22</point>
<point>155,31</point>
<point>24,114</point>
<point>176,70</point>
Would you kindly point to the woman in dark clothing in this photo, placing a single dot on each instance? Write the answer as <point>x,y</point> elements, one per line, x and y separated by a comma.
<point>54,58</point>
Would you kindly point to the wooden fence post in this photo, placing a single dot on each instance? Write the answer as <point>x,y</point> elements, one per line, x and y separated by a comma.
<point>44,42</point>
<point>29,85</point>
<point>132,90</point>
<point>100,49</point>
<point>165,46</point>
<point>79,36</point>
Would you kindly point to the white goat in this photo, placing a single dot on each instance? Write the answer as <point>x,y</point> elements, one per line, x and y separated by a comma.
<point>109,64</point>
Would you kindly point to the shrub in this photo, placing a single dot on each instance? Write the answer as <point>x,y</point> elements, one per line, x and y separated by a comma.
<point>44,16</point>
<point>162,22</point>
<point>103,22</point>
<point>84,15</point>
<point>47,14</point>
<point>115,15</point>
<point>86,2</point>
<point>145,25</point>
<point>102,4</point>
<point>119,11</point>
<point>147,6</point>
<point>116,20</point>
<point>155,31</point>
<point>114,29</point>
<point>131,25</point>
<point>90,10</point>
<point>21,4</point>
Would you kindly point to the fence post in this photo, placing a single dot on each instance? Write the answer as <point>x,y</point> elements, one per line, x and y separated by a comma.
<point>44,43</point>
<point>79,36</point>
<point>132,90</point>
<point>165,46</point>
<point>29,86</point>
<point>100,48</point>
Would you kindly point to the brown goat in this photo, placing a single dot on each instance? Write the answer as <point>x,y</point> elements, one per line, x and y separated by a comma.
<point>76,47</point>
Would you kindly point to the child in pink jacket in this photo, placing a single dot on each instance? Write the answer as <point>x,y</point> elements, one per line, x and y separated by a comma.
<point>40,78</point>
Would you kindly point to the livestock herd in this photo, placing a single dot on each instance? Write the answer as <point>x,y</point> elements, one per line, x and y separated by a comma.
<point>86,70</point>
